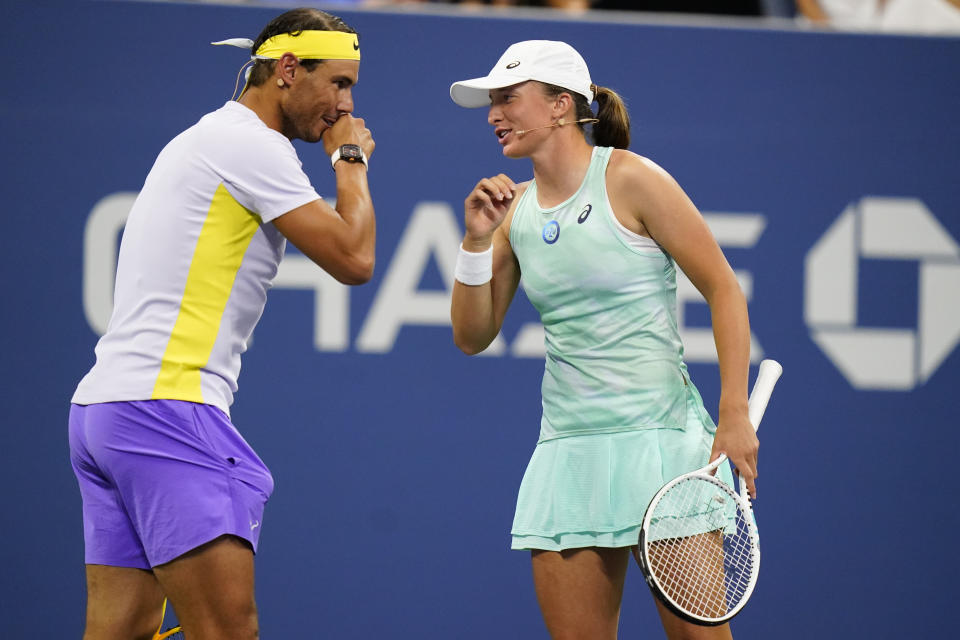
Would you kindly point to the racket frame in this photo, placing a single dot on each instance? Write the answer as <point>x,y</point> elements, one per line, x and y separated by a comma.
<point>767,377</point>
<point>172,633</point>
<point>642,555</point>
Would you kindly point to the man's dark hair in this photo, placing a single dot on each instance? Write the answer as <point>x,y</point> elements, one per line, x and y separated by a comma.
<point>293,22</point>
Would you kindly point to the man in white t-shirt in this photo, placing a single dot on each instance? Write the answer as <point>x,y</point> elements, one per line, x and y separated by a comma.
<point>173,497</point>
<point>905,16</point>
<point>932,17</point>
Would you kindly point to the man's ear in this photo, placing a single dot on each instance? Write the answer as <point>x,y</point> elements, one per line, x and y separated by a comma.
<point>286,68</point>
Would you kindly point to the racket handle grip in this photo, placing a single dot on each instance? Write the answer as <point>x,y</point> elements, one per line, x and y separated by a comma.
<point>767,376</point>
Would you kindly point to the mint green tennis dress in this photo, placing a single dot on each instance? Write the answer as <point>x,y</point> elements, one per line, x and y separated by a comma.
<point>620,414</point>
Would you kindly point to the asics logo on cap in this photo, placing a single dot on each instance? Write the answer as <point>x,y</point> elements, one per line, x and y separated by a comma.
<point>513,65</point>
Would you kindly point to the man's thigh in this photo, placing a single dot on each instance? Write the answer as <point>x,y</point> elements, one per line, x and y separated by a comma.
<point>122,603</point>
<point>211,588</point>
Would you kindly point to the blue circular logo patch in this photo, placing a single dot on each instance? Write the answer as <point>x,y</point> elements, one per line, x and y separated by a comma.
<point>551,231</point>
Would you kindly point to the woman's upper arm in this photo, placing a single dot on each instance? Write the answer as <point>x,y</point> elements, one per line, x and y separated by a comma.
<point>668,215</point>
<point>506,272</point>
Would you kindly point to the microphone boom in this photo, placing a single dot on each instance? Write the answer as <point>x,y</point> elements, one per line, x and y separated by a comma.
<point>558,123</point>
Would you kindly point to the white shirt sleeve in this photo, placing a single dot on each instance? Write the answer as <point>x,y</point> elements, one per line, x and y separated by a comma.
<point>261,170</point>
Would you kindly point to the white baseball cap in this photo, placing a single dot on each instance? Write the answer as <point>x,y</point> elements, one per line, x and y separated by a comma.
<point>546,61</point>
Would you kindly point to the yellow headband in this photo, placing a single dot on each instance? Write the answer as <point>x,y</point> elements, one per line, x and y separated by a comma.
<point>312,45</point>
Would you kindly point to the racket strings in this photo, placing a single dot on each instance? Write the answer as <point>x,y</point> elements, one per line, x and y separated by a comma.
<point>700,549</point>
<point>700,590</point>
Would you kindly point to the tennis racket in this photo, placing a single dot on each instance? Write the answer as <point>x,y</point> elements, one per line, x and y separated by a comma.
<point>170,634</point>
<point>699,548</point>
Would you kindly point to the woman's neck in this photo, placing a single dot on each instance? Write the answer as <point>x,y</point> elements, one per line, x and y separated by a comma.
<point>559,166</point>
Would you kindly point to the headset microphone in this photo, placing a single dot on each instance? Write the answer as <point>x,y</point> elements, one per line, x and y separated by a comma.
<point>558,123</point>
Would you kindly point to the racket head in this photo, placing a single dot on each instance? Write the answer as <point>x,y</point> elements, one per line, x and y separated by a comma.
<point>699,548</point>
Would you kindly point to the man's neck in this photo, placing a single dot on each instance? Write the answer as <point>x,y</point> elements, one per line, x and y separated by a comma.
<point>261,101</point>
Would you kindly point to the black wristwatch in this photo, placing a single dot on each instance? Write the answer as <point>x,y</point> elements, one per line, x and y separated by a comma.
<point>349,153</point>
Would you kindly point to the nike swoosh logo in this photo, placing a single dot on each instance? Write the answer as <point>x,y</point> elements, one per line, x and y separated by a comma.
<point>356,45</point>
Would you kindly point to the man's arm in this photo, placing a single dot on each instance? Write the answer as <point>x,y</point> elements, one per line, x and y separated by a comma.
<point>340,240</point>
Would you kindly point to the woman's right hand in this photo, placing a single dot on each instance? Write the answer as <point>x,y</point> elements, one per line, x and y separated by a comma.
<point>485,209</point>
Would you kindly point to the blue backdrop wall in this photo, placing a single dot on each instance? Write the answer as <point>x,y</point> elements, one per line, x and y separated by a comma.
<point>827,165</point>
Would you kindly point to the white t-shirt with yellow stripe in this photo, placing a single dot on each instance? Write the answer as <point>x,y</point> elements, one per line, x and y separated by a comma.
<point>197,258</point>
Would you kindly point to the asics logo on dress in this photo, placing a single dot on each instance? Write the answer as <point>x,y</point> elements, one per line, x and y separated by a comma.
<point>583,214</point>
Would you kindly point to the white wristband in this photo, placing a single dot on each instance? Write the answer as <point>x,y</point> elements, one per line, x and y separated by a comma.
<point>474,268</point>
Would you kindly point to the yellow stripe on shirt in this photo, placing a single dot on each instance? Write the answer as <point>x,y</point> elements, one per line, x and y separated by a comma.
<point>224,238</point>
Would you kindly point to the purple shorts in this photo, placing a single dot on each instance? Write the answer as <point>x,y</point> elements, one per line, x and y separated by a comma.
<point>161,477</point>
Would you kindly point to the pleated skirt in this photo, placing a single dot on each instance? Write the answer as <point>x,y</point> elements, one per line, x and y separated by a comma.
<point>592,490</point>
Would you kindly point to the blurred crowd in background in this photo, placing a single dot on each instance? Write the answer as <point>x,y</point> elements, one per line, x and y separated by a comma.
<point>941,17</point>
<point>929,16</point>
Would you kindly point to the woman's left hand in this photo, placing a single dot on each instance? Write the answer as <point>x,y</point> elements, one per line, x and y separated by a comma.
<point>737,438</point>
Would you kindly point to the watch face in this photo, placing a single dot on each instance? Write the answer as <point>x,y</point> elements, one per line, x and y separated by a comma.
<point>351,153</point>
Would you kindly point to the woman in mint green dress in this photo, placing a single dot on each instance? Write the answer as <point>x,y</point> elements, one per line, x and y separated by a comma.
<point>596,236</point>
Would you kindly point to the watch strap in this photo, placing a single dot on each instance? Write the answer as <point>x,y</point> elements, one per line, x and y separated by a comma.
<point>337,156</point>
